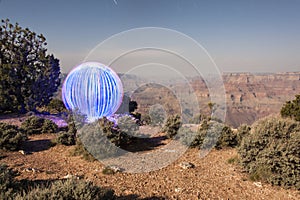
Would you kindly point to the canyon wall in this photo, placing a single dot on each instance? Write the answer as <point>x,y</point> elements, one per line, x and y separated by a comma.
<point>248,96</point>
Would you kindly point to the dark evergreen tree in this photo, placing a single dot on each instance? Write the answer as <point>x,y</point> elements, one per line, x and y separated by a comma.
<point>132,106</point>
<point>28,75</point>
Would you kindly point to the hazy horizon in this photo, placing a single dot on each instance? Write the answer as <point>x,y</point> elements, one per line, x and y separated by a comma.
<point>240,36</point>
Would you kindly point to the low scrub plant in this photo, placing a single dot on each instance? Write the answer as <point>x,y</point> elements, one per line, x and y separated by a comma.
<point>211,134</point>
<point>38,125</point>
<point>10,137</point>
<point>242,132</point>
<point>172,125</point>
<point>8,183</point>
<point>271,152</point>
<point>80,150</point>
<point>67,189</point>
<point>71,189</point>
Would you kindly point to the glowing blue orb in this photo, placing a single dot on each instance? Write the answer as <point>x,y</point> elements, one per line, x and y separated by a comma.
<point>92,89</point>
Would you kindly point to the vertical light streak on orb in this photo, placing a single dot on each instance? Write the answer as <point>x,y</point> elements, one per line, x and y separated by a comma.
<point>92,89</point>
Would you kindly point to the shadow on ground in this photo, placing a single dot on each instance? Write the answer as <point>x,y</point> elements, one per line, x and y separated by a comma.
<point>36,145</point>
<point>145,144</point>
<point>136,197</point>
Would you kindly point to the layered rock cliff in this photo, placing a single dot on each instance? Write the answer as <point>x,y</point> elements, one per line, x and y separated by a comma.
<point>248,96</point>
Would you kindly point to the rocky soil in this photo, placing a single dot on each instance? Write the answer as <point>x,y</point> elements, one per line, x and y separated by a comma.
<point>211,177</point>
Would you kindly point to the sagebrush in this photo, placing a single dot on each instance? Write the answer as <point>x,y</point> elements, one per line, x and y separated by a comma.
<point>10,137</point>
<point>71,189</point>
<point>38,125</point>
<point>271,152</point>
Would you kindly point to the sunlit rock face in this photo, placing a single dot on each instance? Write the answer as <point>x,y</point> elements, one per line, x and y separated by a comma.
<point>92,89</point>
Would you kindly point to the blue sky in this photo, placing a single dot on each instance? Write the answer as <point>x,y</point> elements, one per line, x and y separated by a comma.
<point>249,36</point>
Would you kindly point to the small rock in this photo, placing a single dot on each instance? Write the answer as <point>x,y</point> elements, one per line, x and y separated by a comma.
<point>70,176</point>
<point>115,168</point>
<point>170,150</point>
<point>258,184</point>
<point>29,169</point>
<point>23,152</point>
<point>177,189</point>
<point>186,165</point>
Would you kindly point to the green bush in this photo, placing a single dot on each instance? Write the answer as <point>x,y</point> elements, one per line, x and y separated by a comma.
<point>242,132</point>
<point>172,125</point>
<point>80,150</point>
<point>37,125</point>
<point>198,119</point>
<point>271,152</point>
<point>114,134</point>
<point>69,189</point>
<point>56,106</point>
<point>10,137</point>
<point>292,109</point>
<point>128,125</point>
<point>157,115</point>
<point>8,184</point>
<point>49,126</point>
<point>101,139</point>
<point>186,136</point>
<point>65,138</point>
<point>227,138</point>
<point>210,134</point>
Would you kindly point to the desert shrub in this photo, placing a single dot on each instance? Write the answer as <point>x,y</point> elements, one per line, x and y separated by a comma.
<point>198,119</point>
<point>67,189</point>
<point>172,125</point>
<point>68,137</point>
<point>114,134</point>
<point>137,116</point>
<point>10,188</point>
<point>102,138</point>
<point>95,140</point>
<point>157,115</point>
<point>7,182</point>
<point>37,125</point>
<point>80,150</point>
<point>186,136</point>
<point>227,138</point>
<point>292,109</point>
<point>146,119</point>
<point>65,138</point>
<point>10,137</point>
<point>233,160</point>
<point>211,134</point>
<point>128,125</point>
<point>271,152</point>
<point>56,106</point>
<point>49,126</point>
<point>242,132</point>
<point>196,139</point>
<point>108,170</point>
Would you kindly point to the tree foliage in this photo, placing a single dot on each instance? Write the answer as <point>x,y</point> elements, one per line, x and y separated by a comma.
<point>29,76</point>
<point>292,109</point>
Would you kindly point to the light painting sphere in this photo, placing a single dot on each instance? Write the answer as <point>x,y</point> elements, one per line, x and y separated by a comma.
<point>92,89</point>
